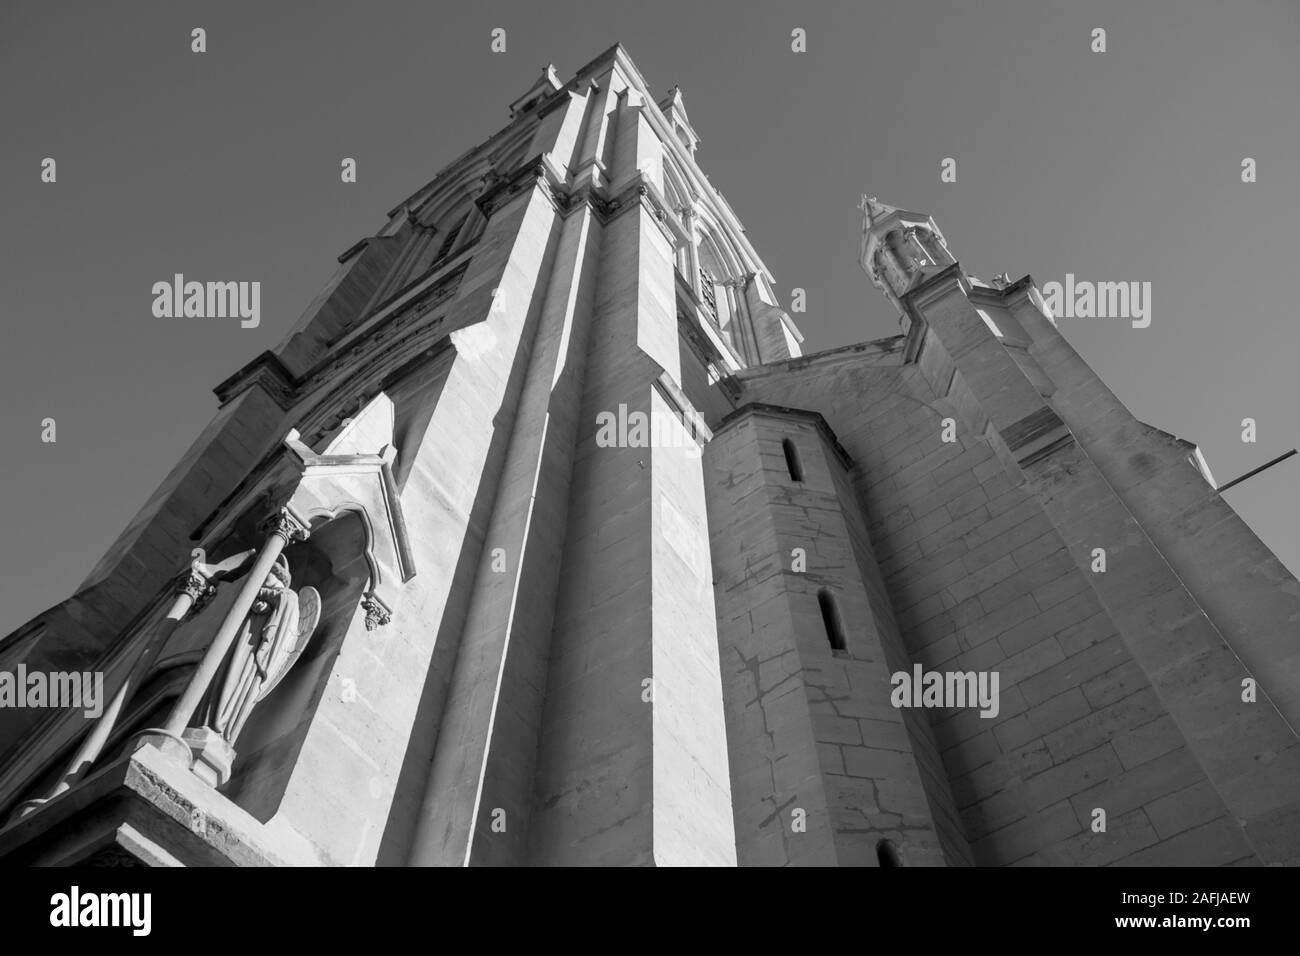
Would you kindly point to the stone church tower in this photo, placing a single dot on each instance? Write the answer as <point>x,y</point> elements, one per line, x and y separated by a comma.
<point>538,541</point>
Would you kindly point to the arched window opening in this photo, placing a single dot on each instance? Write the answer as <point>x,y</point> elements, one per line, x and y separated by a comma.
<point>831,618</point>
<point>887,854</point>
<point>715,272</point>
<point>792,463</point>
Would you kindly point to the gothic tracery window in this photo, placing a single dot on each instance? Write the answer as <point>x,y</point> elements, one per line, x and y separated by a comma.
<point>709,292</point>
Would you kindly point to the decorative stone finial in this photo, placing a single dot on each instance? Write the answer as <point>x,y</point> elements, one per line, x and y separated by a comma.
<point>873,210</point>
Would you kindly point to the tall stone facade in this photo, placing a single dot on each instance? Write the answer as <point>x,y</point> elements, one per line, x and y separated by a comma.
<point>538,541</point>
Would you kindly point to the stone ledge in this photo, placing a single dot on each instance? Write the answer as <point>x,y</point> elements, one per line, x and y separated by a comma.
<point>145,810</point>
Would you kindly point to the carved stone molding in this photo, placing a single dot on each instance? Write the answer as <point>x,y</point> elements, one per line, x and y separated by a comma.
<point>377,613</point>
<point>287,525</point>
<point>266,371</point>
<point>500,191</point>
<point>198,587</point>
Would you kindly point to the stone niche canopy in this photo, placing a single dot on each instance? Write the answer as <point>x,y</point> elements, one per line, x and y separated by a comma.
<point>146,808</point>
<point>354,473</point>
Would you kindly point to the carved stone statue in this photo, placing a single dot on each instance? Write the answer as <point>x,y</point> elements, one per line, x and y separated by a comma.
<point>269,641</point>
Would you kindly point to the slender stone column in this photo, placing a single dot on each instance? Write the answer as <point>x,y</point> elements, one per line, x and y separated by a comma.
<point>693,250</point>
<point>192,588</point>
<point>283,528</point>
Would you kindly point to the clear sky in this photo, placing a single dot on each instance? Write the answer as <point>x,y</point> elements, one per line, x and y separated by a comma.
<point>1115,166</point>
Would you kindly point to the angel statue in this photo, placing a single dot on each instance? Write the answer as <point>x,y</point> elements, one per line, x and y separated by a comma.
<point>277,629</point>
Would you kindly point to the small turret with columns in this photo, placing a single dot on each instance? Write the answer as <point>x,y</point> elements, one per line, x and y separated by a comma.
<point>900,249</point>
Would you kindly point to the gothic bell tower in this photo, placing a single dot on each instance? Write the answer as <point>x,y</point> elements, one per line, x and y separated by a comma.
<point>900,249</point>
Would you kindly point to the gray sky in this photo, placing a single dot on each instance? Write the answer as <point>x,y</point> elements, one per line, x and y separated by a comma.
<point>225,166</point>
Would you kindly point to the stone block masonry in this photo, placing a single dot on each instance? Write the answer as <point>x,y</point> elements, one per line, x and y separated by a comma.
<point>679,651</point>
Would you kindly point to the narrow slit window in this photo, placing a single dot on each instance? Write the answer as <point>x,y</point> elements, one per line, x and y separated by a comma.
<point>792,463</point>
<point>887,854</point>
<point>831,618</point>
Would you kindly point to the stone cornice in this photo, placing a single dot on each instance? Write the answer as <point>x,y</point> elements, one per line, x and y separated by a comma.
<point>421,297</point>
<point>993,294</point>
<point>347,394</point>
<point>266,371</point>
<point>921,293</point>
<point>353,249</point>
<point>885,346</point>
<point>639,191</point>
<point>565,95</point>
<point>918,297</point>
<point>788,411</point>
<point>459,165</point>
<point>643,193</point>
<point>417,349</point>
<point>371,336</point>
<point>502,189</point>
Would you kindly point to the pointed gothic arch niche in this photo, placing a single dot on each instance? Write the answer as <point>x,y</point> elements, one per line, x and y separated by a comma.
<point>449,233</point>
<point>436,202</point>
<point>433,229</point>
<point>674,185</point>
<point>720,243</point>
<point>509,158</point>
<point>450,213</point>
<point>714,270</point>
<point>724,264</point>
<point>335,561</point>
<point>678,197</point>
<point>453,229</point>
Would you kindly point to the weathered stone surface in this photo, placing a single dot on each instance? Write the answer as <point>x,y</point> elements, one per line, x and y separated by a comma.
<point>683,649</point>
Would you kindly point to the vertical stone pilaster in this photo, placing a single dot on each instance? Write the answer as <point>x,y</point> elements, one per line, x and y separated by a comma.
<point>463,454</point>
<point>511,610</point>
<point>632,767</point>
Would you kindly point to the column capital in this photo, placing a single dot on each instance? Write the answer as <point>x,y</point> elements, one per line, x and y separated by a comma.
<point>196,582</point>
<point>377,613</point>
<point>288,524</point>
<point>197,586</point>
